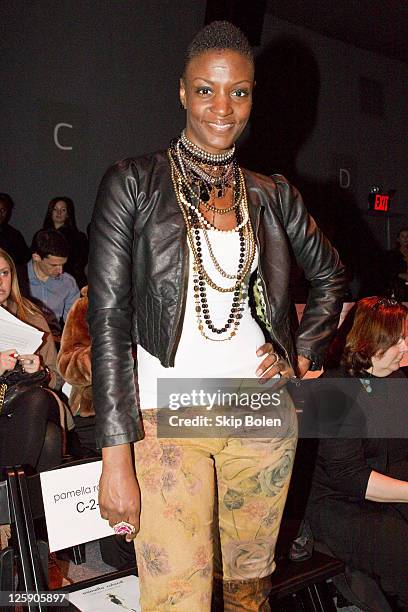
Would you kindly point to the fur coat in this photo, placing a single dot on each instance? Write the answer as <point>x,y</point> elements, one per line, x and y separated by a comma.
<point>74,357</point>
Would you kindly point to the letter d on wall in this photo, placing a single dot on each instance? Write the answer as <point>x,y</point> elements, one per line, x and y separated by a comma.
<point>344,178</point>
<point>56,136</point>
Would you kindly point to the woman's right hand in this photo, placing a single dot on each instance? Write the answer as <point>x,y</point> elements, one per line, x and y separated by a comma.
<point>119,493</point>
<point>8,360</point>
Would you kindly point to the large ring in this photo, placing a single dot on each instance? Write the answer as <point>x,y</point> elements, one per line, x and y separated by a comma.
<point>124,528</point>
<point>276,357</point>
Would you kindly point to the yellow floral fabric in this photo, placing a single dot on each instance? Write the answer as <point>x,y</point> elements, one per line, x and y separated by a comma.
<point>196,491</point>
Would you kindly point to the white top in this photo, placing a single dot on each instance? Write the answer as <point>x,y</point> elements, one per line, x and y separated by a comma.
<point>197,357</point>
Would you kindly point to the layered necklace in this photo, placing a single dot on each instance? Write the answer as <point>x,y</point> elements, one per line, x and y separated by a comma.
<point>199,179</point>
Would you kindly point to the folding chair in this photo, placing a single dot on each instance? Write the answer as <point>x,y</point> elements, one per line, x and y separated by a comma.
<point>21,503</point>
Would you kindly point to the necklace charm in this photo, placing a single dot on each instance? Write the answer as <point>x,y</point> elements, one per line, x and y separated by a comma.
<point>204,195</point>
<point>366,384</point>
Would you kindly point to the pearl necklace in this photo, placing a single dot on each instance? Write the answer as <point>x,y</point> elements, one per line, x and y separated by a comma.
<point>204,156</point>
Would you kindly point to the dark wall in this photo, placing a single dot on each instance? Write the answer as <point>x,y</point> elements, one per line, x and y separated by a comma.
<point>109,69</point>
<point>332,118</point>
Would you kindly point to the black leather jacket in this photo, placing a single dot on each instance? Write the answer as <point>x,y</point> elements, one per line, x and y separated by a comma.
<point>138,271</point>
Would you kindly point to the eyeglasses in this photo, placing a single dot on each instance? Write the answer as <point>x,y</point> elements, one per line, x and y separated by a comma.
<point>385,302</point>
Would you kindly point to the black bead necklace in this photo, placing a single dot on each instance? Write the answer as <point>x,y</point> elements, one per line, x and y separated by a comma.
<point>189,201</point>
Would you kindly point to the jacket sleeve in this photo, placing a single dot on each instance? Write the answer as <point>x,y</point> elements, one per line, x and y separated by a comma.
<point>47,350</point>
<point>110,308</point>
<point>74,357</point>
<point>322,268</point>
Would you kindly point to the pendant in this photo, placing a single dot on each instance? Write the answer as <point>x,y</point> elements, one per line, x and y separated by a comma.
<point>204,195</point>
<point>366,384</point>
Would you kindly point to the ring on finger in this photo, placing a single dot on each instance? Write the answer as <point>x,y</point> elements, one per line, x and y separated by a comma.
<point>272,353</point>
<point>124,528</point>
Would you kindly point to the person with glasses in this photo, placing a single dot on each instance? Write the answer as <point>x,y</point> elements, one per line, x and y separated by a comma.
<point>358,505</point>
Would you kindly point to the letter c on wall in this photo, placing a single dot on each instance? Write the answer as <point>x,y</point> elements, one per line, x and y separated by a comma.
<point>56,136</point>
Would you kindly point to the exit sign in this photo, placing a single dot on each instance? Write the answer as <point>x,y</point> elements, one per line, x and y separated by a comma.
<point>379,202</point>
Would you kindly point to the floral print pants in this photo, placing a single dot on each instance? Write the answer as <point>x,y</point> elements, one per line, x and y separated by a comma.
<point>208,506</point>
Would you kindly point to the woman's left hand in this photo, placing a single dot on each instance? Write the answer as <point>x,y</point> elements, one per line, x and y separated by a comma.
<point>273,364</point>
<point>30,363</point>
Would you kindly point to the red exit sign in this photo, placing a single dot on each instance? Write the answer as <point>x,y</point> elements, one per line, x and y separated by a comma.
<point>381,202</point>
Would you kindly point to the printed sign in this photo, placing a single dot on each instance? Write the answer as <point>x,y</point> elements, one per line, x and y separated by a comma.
<point>71,506</point>
<point>120,594</point>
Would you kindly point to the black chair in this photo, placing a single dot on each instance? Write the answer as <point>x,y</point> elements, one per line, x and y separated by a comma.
<point>7,554</point>
<point>302,585</point>
<point>21,504</point>
<point>357,587</point>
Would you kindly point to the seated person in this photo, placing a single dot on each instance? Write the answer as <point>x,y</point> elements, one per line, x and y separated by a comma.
<point>74,364</point>
<point>61,216</point>
<point>358,501</point>
<point>44,282</point>
<point>32,435</point>
<point>398,266</point>
<point>11,240</point>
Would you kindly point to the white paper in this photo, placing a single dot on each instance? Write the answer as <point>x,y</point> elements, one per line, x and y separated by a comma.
<point>66,388</point>
<point>71,507</point>
<point>15,334</point>
<point>115,595</point>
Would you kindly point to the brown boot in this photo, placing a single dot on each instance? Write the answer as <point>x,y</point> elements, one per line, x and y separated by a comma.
<point>248,595</point>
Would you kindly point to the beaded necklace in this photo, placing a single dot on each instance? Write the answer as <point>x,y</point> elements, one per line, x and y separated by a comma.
<point>188,191</point>
<point>211,173</point>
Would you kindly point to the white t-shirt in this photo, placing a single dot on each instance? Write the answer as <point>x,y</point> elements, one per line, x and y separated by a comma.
<point>197,357</point>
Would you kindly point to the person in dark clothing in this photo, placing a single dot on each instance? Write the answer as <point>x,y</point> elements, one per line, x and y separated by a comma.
<point>11,240</point>
<point>61,216</point>
<point>358,501</point>
<point>398,266</point>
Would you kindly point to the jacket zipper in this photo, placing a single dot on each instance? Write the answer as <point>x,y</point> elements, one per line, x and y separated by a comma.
<point>180,308</point>
<point>265,294</point>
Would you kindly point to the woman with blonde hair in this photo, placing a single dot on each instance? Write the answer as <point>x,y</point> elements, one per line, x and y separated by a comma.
<point>30,432</point>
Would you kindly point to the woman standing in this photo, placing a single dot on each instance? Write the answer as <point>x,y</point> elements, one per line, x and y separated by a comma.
<point>61,216</point>
<point>179,239</point>
<point>358,502</point>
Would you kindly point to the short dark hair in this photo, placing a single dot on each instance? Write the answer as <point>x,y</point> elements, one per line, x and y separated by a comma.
<point>221,35</point>
<point>49,242</point>
<point>8,201</point>
<point>377,325</point>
